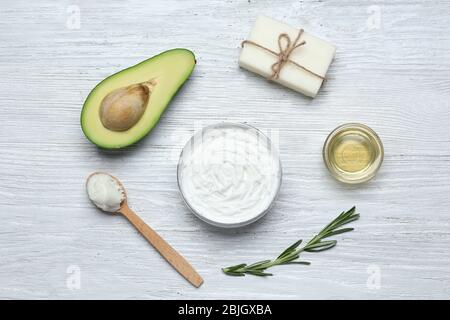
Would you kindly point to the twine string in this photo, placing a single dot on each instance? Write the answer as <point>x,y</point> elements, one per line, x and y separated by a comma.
<point>286,47</point>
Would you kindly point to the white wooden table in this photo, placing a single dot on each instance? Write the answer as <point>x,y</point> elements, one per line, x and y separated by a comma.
<point>392,72</point>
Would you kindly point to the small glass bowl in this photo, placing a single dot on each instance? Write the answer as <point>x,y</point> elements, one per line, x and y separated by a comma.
<point>353,153</point>
<point>216,221</point>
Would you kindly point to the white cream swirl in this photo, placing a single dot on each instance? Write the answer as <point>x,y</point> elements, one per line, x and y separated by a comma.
<point>229,174</point>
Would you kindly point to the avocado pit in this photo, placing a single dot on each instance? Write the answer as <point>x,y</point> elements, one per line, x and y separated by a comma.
<point>122,108</point>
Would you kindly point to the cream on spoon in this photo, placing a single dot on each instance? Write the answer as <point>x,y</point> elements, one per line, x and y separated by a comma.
<point>108,194</point>
<point>105,192</point>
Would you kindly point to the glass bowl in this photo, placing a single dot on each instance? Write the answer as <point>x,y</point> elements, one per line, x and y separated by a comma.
<point>210,195</point>
<point>353,153</point>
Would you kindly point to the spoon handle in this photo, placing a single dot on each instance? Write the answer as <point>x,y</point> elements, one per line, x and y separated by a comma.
<point>173,257</point>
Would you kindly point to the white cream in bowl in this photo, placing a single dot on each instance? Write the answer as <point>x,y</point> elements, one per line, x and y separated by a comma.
<point>229,174</point>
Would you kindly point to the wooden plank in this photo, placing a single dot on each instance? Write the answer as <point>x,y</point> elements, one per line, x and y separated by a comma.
<point>394,78</point>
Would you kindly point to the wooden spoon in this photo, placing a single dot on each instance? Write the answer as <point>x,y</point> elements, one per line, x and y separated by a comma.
<point>170,254</point>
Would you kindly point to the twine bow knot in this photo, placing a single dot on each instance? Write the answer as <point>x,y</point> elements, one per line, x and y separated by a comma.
<point>285,52</point>
<point>286,47</point>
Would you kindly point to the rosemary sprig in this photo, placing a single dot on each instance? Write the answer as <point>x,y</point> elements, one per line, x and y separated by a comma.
<point>292,253</point>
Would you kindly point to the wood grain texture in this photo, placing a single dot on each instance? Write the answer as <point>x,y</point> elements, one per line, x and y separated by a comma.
<point>395,78</point>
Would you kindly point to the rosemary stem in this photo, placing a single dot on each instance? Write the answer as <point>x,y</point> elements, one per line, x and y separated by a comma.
<point>293,252</point>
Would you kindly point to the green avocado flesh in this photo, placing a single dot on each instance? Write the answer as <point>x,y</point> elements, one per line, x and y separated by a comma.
<point>169,70</point>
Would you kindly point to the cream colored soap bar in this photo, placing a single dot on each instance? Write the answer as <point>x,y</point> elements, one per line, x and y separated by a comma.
<point>315,56</point>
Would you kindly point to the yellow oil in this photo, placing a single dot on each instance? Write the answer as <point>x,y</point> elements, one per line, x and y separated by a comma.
<point>351,151</point>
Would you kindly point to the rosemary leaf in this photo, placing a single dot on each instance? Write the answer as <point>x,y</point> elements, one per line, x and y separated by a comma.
<point>234,274</point>
<point>258,264</point>
<point>323,245</point>
<point>288,259</point>
<point>236,267</point>
<point>290,249</point>
<point>336,232</point>
<point>306,263</point>
<point>259,273</point>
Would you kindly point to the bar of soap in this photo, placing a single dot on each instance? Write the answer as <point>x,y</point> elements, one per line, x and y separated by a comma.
<point>316,55</point>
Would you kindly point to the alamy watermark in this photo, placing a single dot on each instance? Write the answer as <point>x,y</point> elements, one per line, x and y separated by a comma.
<point>73,280</point>
<point>73,21</point>
<point>373,22</point>
<point>374,278</point>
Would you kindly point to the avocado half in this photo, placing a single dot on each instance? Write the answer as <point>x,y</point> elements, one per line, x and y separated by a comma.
<point>169,70</point>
